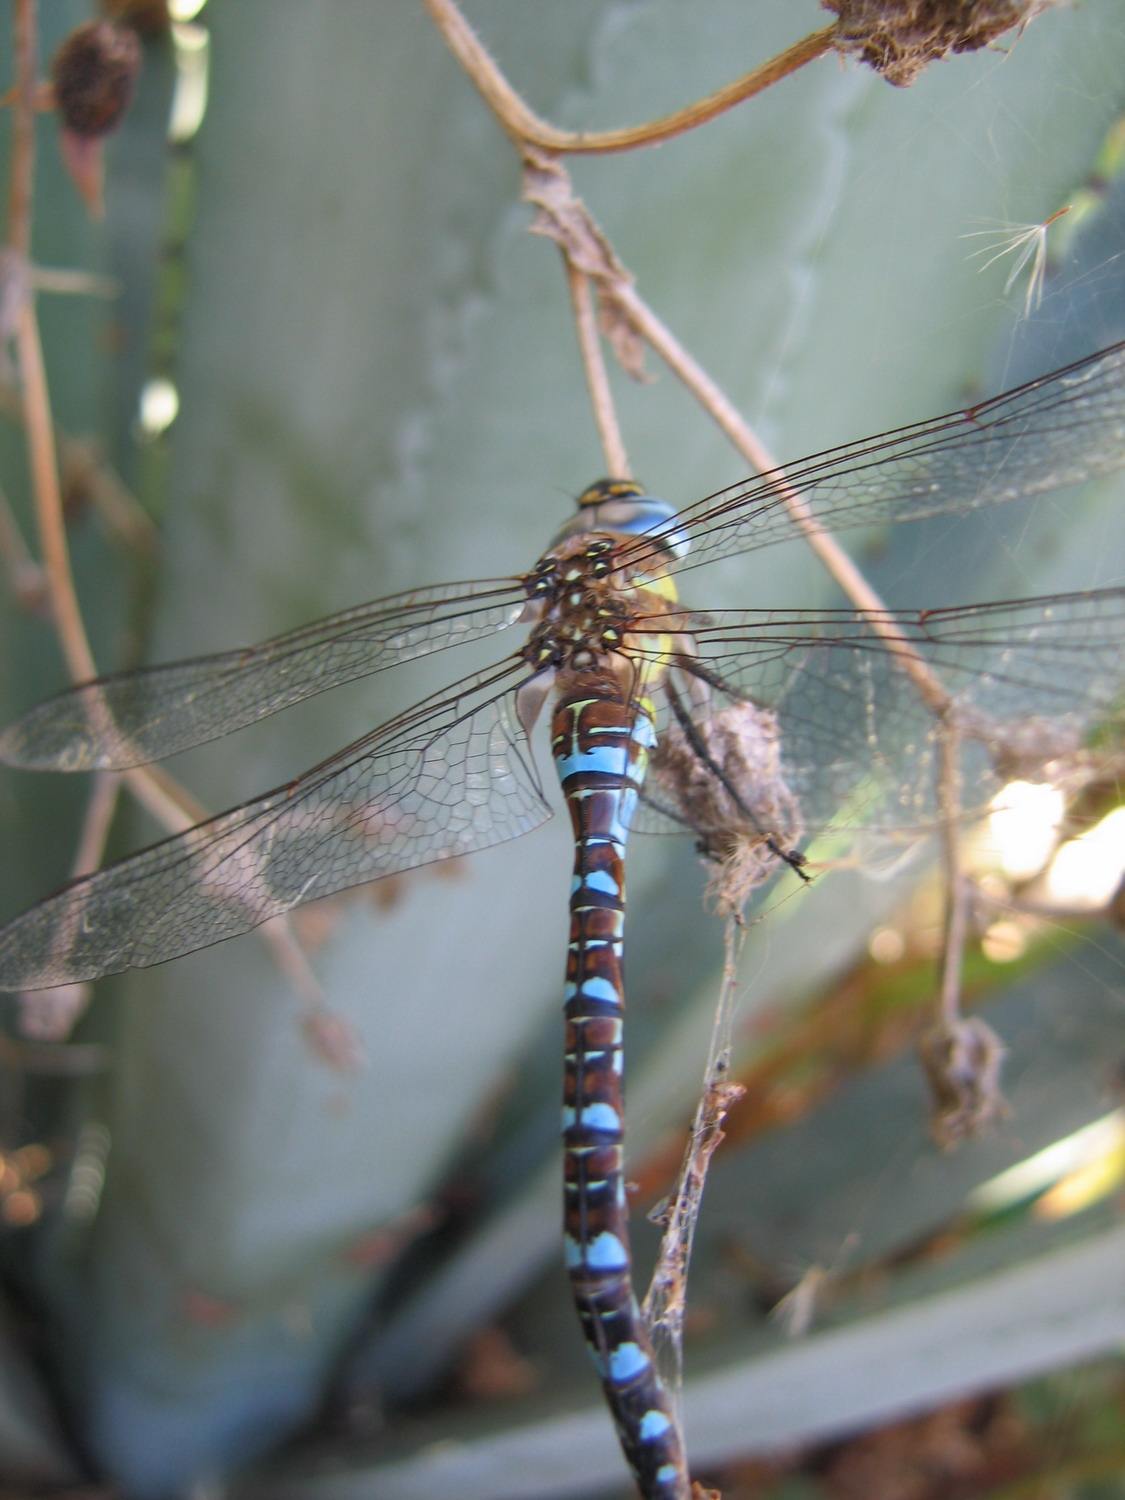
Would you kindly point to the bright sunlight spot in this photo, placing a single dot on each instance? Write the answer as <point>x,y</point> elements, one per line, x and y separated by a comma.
<point>886,945</point>
<point>1024,824</point>
<point>159,407</point>
<point>185,10</point>
<point>1087,870</point>
<point>189,101</point>
<point>1088,1185</point>
<point>1092,1147</point>
<point>1004,942</point>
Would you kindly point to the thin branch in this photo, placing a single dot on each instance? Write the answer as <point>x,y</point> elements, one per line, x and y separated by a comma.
<point>25,575</point>
<point>84,467</point>
<point>597,377</point>
<point>22,168</point>
<point>48,497</point>
<point>85,470</point>
<point>626,318</point>
<point>961,1055</point>
<point>100,808</point>
<point>74,283</point>
<point>33,380</point>
<point>50,1014</point>
<point>666,1298</point>
<point>45,100</point>
<point>957,888</point>
<point>822,542</point>
<point>168,802</point>
<point>526,128</point>
<point>172,805</point>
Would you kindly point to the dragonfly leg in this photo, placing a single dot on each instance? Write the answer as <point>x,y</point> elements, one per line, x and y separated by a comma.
<point>702,753</point>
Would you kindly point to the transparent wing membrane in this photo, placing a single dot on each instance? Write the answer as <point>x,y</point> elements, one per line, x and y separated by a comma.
<point>1035,688</point>
<point>1062,429</point>
<point>452,775</point>
<point>142,716</point>
<point>825,711</point>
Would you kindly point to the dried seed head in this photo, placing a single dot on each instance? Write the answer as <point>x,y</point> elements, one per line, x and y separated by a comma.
<point>899,38</point>
<point>94,73</point>
<point>745,816</point>
<point>962,1065</point>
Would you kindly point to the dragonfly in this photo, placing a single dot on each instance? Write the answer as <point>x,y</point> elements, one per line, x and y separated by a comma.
<point>756,730</point>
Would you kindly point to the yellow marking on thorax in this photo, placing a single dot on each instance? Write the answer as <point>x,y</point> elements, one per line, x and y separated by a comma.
<point>658,645</point>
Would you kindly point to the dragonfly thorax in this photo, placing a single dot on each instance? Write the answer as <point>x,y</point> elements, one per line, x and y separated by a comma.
<point>622,508</point>
<point>583,609</point>
<point>587,599</point>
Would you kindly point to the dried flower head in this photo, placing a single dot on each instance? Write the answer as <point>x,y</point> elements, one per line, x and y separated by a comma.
<point>95,71</point>
<point>962,1064</point>
<point>742,817</point>
<point>899,38</point>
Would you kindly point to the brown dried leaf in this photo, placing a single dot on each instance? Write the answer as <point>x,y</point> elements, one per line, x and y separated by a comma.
<point>84,159</point>
<point>564,218</point>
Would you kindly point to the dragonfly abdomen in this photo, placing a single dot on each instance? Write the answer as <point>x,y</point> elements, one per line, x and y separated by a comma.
<point>601,743</point>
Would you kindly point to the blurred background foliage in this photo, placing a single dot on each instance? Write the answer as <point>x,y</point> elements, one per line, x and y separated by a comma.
<point>253,1215</point>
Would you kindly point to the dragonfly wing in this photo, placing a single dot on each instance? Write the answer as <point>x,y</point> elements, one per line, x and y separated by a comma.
<point>1061,429</point>
<point>1035,688</point>
<point>453,775</point>
<point>136,717</point>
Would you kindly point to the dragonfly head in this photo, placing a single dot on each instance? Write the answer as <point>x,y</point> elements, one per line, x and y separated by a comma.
<point>621,505</point>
